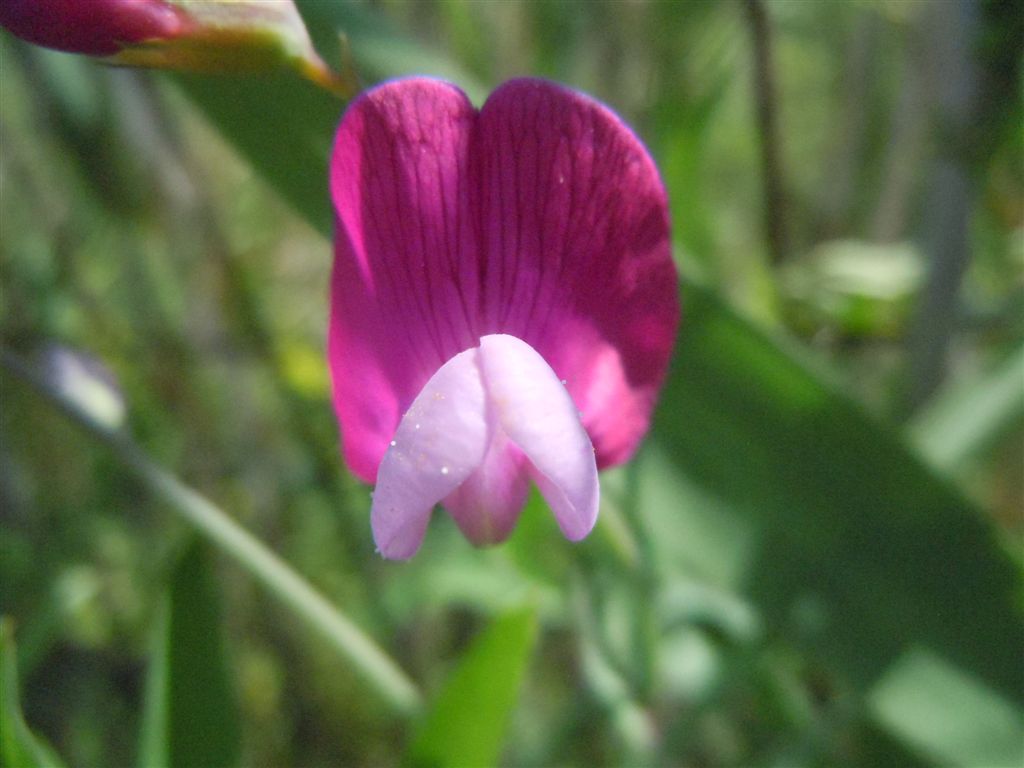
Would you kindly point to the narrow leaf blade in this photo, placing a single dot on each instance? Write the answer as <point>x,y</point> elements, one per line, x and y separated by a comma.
<point>191,716</point>
<point>467,722</point>
<point>19,746</point>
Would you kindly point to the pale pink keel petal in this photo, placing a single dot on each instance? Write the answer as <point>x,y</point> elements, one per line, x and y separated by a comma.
<point>539,416</point>
<point>487,506</point>
<point>488,420</point>
<point>440,441</point>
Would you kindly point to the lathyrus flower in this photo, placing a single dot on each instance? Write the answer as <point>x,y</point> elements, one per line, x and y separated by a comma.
<point>503,307</point>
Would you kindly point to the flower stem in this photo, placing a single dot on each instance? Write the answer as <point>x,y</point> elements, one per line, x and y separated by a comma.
<point>374,666</point>
<point>775,215</point>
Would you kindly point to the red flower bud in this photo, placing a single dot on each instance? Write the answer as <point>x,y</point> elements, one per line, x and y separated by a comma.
<point>94,27</point>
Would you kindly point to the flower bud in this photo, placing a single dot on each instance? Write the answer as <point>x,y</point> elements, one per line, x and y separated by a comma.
<point>210,36</point>
<point>93,27</point>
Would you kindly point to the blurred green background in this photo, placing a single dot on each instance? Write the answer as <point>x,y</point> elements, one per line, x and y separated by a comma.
<point>815,560</point>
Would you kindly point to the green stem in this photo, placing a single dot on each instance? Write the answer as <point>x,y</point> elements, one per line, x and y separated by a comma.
<point>295,593</point>
<point>645,583</point>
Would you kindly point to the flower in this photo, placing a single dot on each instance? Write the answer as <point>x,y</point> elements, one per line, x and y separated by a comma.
<point>503,303</point>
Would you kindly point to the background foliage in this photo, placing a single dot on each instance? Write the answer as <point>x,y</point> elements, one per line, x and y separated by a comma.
<point>816,558</point>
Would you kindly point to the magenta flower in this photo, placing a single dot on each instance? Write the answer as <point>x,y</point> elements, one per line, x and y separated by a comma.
<point>504,303</point>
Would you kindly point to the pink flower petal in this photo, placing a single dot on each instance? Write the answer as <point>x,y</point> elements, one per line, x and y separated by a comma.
<point>537,413</point>
<point>576,250</point>
<point>399,304</point>
<point>440,442</point>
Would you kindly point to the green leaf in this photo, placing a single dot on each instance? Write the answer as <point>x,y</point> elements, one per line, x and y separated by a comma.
<point>191,715</point>
<point>466,724</point>
<point>153,746</point>
<point>282,125</point>
<point>770,482</point>
<point>972,415</point>
<point>948,716</point>
<point>19,747</point>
